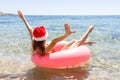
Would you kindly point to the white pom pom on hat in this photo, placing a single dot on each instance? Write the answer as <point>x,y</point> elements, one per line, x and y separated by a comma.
<point>40,33</point>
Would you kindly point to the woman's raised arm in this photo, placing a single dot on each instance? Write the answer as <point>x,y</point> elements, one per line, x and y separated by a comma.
<point>60,38</point>
<point>26,23</point>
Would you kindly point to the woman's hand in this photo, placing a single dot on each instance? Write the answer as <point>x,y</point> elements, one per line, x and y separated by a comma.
<point>67,29</point>
<point>20,14</point>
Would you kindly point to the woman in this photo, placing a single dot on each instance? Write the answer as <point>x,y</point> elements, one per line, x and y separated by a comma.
<point>39,35</point>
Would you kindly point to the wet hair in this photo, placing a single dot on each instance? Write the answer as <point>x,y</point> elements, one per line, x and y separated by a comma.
<point>40,45</point>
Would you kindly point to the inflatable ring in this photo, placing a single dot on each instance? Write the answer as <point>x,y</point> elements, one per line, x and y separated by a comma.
<point>62,59</point>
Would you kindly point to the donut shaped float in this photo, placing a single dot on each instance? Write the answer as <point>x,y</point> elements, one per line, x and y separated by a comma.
<point>69,58</point>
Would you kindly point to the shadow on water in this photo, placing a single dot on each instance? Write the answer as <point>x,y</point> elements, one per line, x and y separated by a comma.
<point>38,73</point>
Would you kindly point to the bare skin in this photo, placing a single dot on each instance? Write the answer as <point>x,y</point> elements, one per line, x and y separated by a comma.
<point>81,41</point>
<point>68,32</point>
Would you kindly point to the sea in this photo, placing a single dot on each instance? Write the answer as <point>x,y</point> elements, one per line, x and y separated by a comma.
<point>15,47</point>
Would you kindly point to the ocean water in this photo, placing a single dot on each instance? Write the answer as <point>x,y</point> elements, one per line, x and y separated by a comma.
<point>15,47</point>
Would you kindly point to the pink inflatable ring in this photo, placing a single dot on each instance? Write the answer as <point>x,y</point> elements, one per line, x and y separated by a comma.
<point>62,59</point>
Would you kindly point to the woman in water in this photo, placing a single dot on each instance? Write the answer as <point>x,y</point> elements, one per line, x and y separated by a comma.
<point>39,35</point>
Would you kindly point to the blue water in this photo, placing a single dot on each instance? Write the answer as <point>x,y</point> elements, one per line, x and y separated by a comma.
<point>15,46</point>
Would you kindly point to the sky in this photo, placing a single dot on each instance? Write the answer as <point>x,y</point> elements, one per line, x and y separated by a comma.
<point>61,7</point>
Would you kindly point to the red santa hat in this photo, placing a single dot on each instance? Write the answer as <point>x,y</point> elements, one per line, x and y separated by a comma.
<point>40,33</point>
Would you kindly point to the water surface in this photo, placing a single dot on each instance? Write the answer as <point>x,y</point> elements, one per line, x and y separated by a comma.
<point>15,46</point>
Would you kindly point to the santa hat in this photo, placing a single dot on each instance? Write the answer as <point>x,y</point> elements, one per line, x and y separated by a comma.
<point>40,33</point>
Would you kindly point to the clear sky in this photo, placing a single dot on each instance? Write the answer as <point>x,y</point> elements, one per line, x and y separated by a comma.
<point>62,7</point>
